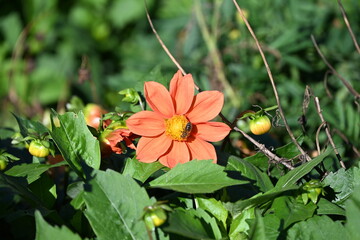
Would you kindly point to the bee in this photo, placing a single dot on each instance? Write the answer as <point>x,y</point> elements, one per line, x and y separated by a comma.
<point>187,130</point>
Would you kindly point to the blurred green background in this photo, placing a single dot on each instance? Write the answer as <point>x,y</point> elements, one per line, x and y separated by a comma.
<point>52,50</point>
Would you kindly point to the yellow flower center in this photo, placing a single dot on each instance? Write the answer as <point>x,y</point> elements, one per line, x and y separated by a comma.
<point>178,127</point>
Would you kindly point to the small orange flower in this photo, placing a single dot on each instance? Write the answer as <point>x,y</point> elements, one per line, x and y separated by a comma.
<point>113,141</point>
<point>178,129</point>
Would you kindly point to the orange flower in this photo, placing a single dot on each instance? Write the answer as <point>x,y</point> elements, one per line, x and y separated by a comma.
<point>112,141</point>
<point>177,130</point>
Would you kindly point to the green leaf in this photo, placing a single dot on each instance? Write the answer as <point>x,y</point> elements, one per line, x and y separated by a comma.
<point>190,224</point>
<point>45,231</point>
<point>240,225</point>
<point>343,182</point>
<point>32,171</point>
<point>319,228</point>
<point>215,207</point>
<point>25,125</point>
<point>43,189</point>
<point>250,171</point>
<point>241,205</point>
<point>257,227</point>
<point>258,160</point>
<point>296,174</point>
<point>139,170</point>
<point>115,206</point>
<point>272,226</point>
<point>195,177</point>
<point>289,150</point>
<point>18,186</point>
<point>289,211</point>
<point>75,141</point>
<point>352,207</point>
<point>328,208</point>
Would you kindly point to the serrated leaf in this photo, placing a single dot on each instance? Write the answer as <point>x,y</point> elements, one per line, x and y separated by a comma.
<point>32,171</point>
<point>343,182</point>
<point>195,177</point>
<point>296,174</point>
<point>45,231</point>
<point>250,171</point>
<point>139,170</point>
<point>319,228</point>
<point>115,206</point>
<point>75,141</point>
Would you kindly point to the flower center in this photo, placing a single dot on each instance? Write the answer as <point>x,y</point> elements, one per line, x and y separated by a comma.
<point>178,127</point>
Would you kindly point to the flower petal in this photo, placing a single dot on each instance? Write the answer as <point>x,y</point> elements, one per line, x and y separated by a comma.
<point>201,150</point>
<point>159,99</point>
<point>146,123</point>
<point>207,105</point>
<point>211,131</point>
<point>178,153</point>
<point>182,92</point>
<point>150,149</point>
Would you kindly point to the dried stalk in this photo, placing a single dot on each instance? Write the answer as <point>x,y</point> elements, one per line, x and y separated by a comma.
<point>348,26</point>
<point>346,83</point>
<point>317,137</point>
<point>272,82</point>
<point>266,151</point>
<point>161,42</point>
<point>327,131</point>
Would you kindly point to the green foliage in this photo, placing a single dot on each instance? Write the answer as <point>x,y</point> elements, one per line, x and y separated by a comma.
<point>69,54</point>
<point>75,141</point>
<point>187,178</point>
<point>113,211</point>
<point>45,231</point>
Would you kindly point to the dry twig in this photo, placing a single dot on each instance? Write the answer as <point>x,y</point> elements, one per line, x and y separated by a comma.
<point>266,151</point>
<point>161,42</point>
<point>327,131</point>
<point>346,83</point>
<point>348,26</point>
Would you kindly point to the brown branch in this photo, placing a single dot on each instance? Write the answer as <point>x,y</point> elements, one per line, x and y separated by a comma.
<point>327,131</point>
<point>272,82</point>
<point>348,26</point>
<point>266,151</point>
<point>317,137</point>
<point>346,83</point>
